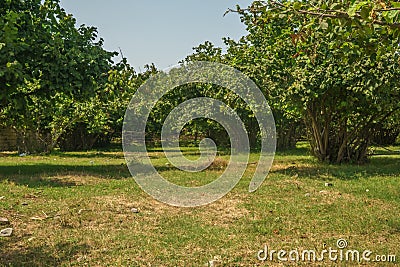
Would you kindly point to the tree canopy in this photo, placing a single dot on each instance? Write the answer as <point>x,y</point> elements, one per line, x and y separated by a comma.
<point>335,64</point>
<point>328,69</point>
<point>50,72</point>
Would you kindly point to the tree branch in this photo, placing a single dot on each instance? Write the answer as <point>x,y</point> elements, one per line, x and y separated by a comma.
<point>334,14</point>
<point>344,15</point>
<point>387,9</point>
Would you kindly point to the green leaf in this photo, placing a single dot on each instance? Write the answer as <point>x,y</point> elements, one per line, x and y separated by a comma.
<point>356,7</point>
<point>365,12</point>
<point>297,5</point>
<point>362,4</point>
<point>391,15</point>
<point>395,4</point>
<point>352,11</point>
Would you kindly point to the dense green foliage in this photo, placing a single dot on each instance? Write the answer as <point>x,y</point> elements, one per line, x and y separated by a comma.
<point>51,71</point>
<point>329,71</point>
<point>57,81</point>
<point>334,65</point>
<point>344,69</point>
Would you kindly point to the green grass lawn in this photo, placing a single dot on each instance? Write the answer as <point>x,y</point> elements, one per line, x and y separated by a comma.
<point>74,209</point>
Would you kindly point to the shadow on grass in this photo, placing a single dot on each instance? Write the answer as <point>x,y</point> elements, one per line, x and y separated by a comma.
<point>12,254</point>
<point>189,151</point>
<point>379,166</point>
<point>42,174</point>
<point>88,155</point>
<point>299,151</point>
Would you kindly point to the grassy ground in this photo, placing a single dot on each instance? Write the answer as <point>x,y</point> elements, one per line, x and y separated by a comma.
<point>74,209</point>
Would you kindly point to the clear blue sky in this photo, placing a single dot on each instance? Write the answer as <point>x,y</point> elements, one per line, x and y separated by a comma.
<point>158,31</point>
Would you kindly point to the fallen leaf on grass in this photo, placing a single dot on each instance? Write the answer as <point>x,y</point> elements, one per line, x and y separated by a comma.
<point>134,210</point>
<point>42,218</point>
<point>6,232</point>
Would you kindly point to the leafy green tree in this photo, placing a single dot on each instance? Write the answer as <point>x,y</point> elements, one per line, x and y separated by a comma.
<point>103,121</point>
<point>209,128</point>
<point>255,55</point>
<point>338,64</point>
<point>50,71</point>
<point>252,56</point>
